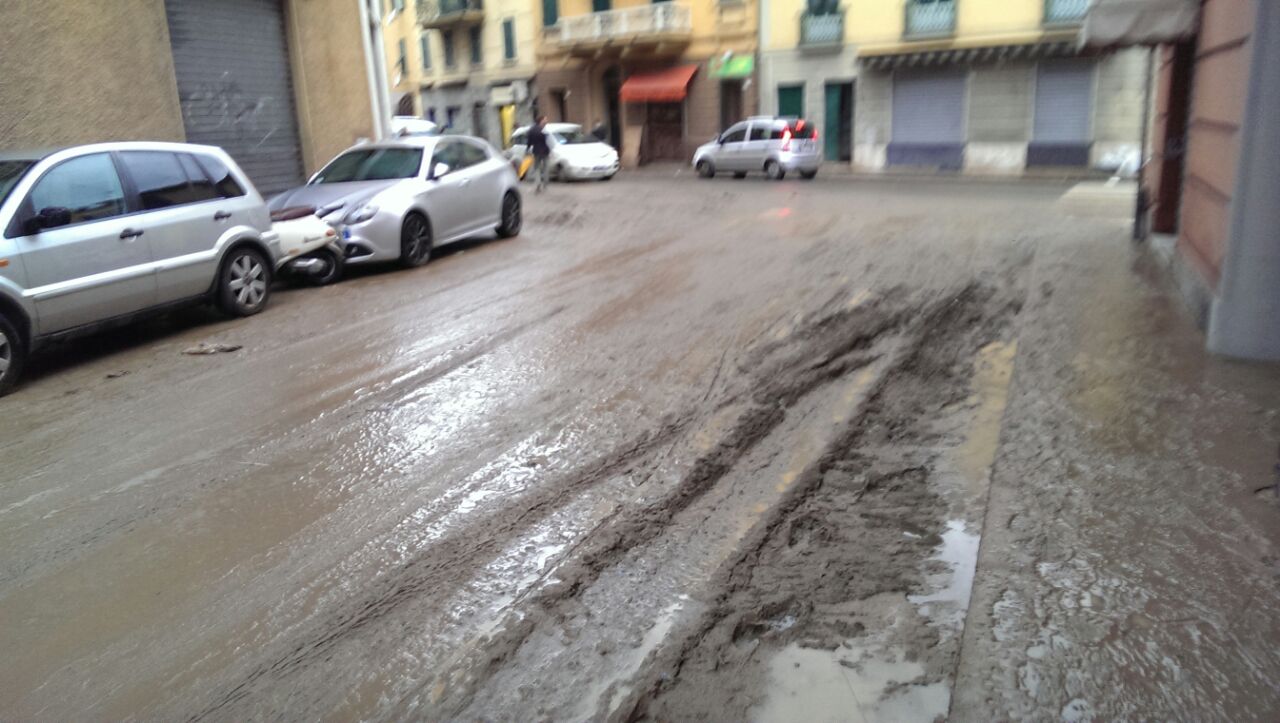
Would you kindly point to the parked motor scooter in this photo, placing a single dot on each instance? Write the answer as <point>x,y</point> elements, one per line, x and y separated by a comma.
<point>311,249</point>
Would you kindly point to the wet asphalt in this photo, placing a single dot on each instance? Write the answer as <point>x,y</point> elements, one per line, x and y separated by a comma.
<point>613,467</point>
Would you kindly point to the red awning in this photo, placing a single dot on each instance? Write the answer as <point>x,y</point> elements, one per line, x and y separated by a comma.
<point>669,85</point>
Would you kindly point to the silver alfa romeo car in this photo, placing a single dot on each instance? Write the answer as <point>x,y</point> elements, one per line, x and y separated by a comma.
<point>398,200</point>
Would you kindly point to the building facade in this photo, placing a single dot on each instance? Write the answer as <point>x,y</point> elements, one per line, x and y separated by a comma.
<point>282,85</point>
<point>664,77</point>
<point>989,86</point>
<point>1212,179</point>
<point>467,65</point>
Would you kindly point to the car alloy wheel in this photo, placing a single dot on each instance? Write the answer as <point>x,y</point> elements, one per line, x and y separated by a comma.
<point>248,281</point>
<point>774,171</point>
<point>415,241</point>
<point>706,170</point>
<point>511,215</point>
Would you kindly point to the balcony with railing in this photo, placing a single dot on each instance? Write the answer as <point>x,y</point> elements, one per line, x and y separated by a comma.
<point>822,30</point>
<point>1065,12</point>
<point>449,13</point>
<point>930,18</point>
<point>655,24</point>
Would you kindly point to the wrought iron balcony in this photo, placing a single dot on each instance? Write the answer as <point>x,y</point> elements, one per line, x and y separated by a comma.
<point>643,23</point>
<point>933,18</point>
<point>822,30</point>
<point>449,13</point>
<point>1065,12</point>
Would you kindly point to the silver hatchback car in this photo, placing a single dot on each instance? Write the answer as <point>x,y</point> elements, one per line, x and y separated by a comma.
<point>398,200</point>
<point>97,234</point>
<point>774,145</point>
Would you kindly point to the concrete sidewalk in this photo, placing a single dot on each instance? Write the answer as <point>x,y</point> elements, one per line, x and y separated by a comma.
<point>1128,567</point>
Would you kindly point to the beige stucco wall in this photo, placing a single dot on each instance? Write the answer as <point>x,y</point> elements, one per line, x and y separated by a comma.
<point>73,71</point>
<point>329,77</point>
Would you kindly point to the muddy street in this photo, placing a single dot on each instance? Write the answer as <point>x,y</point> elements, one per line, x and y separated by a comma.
<point>729,450</point>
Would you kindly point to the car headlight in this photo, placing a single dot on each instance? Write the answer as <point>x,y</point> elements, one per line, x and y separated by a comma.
<point>362,214</point>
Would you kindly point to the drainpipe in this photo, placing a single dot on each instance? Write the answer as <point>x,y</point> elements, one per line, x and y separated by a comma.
<point>375,70</point>
<point>1142,202</point>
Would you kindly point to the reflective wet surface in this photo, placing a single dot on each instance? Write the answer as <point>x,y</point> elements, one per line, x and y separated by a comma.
<point>741,450</point>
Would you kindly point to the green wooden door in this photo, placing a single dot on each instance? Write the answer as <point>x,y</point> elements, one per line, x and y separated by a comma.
<point>600,6</point>
<point>791,100</point>
<point>831,123</point>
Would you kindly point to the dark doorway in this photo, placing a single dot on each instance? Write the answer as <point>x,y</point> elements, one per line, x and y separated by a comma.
<point>1173,156</point>
<point>664,132</point>
<point>561,101</point>
<point>838,116</point>
<point>612,85</point>
<point>730,102</point>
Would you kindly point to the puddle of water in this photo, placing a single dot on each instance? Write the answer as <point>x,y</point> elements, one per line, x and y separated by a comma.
<point>849,684</point>
<point>948,603</point>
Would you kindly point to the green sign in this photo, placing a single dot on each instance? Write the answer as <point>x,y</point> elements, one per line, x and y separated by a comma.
<point>736,66</point>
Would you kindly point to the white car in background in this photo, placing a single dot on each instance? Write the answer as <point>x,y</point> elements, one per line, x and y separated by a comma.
<point>408,125</point>
<point>575,156</point>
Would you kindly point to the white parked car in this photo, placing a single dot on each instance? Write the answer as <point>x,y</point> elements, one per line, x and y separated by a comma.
<point>398,200</point>
<point>407,125</point>
<point>575,156</point>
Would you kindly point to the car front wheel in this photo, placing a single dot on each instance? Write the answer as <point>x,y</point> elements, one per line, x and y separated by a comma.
<point>705,169</point>
<point>511,217</point>
<point>415,241</point>
<point>13,355</point>
<point>244,284</point>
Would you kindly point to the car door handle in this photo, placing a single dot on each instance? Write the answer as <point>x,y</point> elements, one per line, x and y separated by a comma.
<point>221,216</point>
<point>129,233</point>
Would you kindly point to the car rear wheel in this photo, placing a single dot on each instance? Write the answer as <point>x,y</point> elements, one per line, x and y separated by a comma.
<point>415,241</point>
<point>705,169</point>
<point>511,217</point>
<point>244,284</point>
<point>13,355</point>
<point>774,171</point>
<point>808,175</point>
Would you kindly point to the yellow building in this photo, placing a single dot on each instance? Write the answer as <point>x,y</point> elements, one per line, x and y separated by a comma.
<point>468,65</point>
<point>984,86</point>
<point>663,77</point>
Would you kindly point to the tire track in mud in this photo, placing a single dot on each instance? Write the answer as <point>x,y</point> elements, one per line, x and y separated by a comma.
<point>775,376</point>
<point>859,523</point>
<point>822,351</point>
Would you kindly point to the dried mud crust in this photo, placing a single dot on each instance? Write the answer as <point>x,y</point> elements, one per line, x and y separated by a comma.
<point>839,539</point>
<point>837,536</point>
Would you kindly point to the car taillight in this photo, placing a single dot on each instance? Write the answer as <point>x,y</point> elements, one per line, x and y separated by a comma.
<point>786,139</point>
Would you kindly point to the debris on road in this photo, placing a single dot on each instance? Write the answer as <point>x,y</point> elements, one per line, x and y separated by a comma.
<point>206,348</point>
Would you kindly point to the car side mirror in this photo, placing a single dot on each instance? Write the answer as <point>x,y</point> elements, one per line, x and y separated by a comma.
<point>48,217</point>
<point>438,170</point>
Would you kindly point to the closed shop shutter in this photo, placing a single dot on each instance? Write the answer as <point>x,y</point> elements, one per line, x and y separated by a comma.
<point>928,119</point>
<point>1063,129</point>
<point>235,87</point>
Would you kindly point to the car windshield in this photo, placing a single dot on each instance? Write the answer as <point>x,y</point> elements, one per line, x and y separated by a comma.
<point>10,172</point>
<point>571,137</point>
<point>371,164</point>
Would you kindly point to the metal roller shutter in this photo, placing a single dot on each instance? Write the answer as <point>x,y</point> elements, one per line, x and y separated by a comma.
<point>928,119</point>
<point>235,86</point>
<point>1063,128</point>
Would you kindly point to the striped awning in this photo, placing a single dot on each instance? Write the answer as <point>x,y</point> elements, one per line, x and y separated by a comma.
<point>990,54</point>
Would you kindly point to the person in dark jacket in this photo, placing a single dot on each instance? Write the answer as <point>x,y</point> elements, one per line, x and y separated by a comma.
<point>540,148</point>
